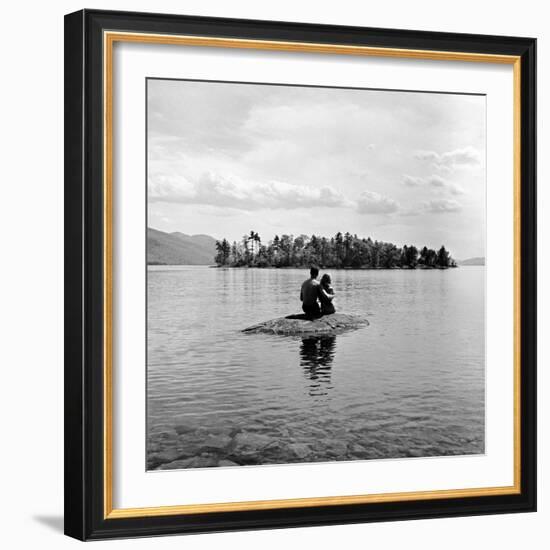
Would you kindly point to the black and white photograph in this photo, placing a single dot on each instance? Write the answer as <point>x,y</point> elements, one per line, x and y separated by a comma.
<point>299,273</point>
<point>315,274</point>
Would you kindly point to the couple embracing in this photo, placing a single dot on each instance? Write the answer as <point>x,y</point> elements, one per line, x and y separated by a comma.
<point>317,296</point>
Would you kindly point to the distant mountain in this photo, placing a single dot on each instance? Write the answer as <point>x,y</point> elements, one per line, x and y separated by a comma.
<point>179,249</point>
<point>472,261</point>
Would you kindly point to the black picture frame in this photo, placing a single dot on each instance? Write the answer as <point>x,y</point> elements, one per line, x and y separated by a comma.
<point>85,517</point>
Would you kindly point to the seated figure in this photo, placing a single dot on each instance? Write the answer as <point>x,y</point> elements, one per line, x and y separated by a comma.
<point>326,295</point>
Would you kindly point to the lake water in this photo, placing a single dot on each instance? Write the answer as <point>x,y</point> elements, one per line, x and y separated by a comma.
<point>410,384</point>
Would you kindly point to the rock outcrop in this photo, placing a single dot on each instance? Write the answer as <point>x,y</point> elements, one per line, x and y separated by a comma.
<point>300,325</point>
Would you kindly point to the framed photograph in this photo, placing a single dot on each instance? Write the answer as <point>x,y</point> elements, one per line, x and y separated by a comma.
<point>300,274</point>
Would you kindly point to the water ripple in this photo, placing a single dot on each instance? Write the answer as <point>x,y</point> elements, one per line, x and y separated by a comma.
<point>410,384</point>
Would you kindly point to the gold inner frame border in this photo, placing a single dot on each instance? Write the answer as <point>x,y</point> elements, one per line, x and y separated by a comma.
<point>109,39</point>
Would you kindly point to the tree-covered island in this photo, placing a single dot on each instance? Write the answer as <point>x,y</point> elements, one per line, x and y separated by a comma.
<point>341,251</point>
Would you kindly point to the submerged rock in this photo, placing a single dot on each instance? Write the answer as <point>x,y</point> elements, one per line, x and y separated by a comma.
<point>300,450</point>
<point>300,325</point>
<point>225,463</point>
<point>248,447</point>
<point>216,443</point>
<point>177,464</point>
<point>156,459</point>
<point>205,460</point>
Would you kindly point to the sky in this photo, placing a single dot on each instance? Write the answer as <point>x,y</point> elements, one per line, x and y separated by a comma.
<point>398,166</point>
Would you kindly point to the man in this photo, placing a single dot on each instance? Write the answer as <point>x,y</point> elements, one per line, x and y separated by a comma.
<point>310,294</point>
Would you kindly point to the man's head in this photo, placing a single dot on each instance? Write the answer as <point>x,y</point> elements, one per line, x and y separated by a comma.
<point>314,271</point>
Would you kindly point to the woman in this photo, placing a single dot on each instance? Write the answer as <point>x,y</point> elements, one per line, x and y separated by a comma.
<point>326,295</point>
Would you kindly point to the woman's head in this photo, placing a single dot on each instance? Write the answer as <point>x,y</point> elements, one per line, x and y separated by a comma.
<point>326,280</point>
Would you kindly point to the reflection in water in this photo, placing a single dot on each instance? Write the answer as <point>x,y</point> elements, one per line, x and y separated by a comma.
<point>316,356</point>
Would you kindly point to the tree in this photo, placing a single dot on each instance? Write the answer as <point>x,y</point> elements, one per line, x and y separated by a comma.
<point>431,258</point>
<point>442,257</point>
<point>312,251</point>
<point>246,251</point>
<point>410,256</point>
<point>286,249</point>
<point>219,259</point>
<point>348,240</point>
<point>389,255</point>
<point>275,252</point>
<point>262,259</point>
<point>324,251</point>
<point>253,244</point>
<point>376,247</point>
<point>423,256</point>
<point>223,251</point>
<point>339,251</point>
<point>358,252</point>
<point>298,250</point>
<point>403,258</point>
<point>235,256</point>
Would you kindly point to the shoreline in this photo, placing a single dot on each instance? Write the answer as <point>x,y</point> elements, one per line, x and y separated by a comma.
<point>320,267</point>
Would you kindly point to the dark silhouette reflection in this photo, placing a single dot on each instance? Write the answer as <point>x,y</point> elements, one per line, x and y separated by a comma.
<point>316,356</point>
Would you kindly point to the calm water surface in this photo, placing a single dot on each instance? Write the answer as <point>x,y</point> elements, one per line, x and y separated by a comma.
<point>410,384</point>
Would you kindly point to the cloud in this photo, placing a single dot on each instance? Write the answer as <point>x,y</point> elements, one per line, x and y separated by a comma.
<point>370,202</point>
<point>468,156</point>
<point>231,192</point>
<point>441,206</point>
<point>434,181</point>
<point>455,189</point>
<point>410,212</point>
<point>411,181</point>
<point>214,190</point>
<point>440,183</point>
<point>435,206</point>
